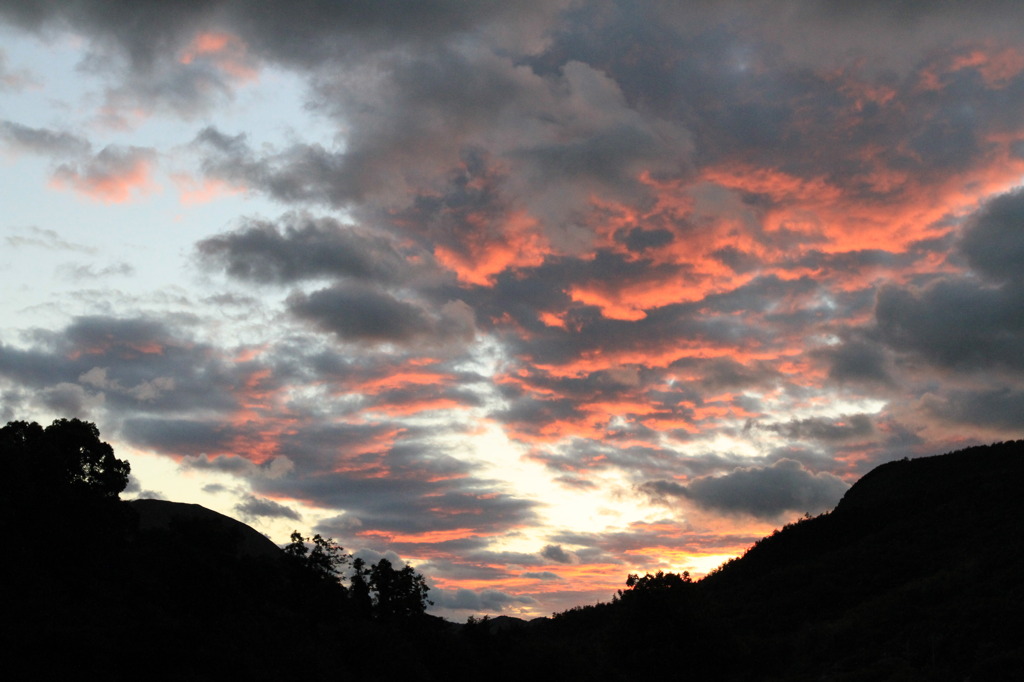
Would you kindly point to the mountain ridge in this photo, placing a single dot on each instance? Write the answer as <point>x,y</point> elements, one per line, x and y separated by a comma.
<point>917,574</point>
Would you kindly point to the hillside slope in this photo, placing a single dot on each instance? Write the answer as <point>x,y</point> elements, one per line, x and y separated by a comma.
<point>918,574</point>
<point>917,571</point>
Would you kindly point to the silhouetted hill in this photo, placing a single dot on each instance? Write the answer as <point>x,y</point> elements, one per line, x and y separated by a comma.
<point>153,590</point>
<point>163,515</point>
<point>916,575</point>
<point>158,590</point>
<point>918,571</point>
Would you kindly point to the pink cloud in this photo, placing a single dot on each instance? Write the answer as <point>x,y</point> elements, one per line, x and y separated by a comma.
<point>114,176</point>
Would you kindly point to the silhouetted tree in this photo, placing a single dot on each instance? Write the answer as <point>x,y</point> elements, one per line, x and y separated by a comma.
<point>59,485</point>
<point>660,582</point>
<point>397,594</point>
<point>327,558</point>
<point>296,549</point>
<point>326,561</point>
<point>65,461</point>
<point>359,590</point>
<point>379,591</point>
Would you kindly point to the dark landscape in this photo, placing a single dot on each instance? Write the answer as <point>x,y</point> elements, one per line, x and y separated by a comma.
<point>915,575</point>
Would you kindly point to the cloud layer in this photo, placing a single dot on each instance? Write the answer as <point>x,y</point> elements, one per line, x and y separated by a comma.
<point>543,292</point>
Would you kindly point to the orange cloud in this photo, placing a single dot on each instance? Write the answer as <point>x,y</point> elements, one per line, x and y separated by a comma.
<point>588,577</point>
<point>227,52</point>
<point>403,379</point>
<point>520,243</point>
<point>415,407</point>
<point>127,349</point>
<point>109,186</point>
<point>428,537</point>
<point>552,320</point>
<point>998,67</point>
<point>192,192</point>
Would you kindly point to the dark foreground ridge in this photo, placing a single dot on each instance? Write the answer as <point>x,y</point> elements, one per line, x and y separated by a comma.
<point>916,575</point>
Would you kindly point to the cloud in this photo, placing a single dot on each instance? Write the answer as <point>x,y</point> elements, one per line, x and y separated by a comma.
<point>857,361</point>
<point>557,554</point>
<point>956,323</point>
<point>252,507</point>
<point>849,427</point>
<point>273,468</point>
<point>341,525</point>
<point>45,239</point>
<point>727,252</point>
<point>472,600</point>
<point>145,391</point>
<point>42,140</point>
<point>178,436</point>
<point>112,176</point>
<point>18,79</point>
<point>304,247</point>
<point>998,407</point>
<point>411,509</point>
<point>156,377</point>
<point>88,271</point>
<point>363,314</point>
<point>71,400</point>
<point>993,241</point>
<point>763,492</point>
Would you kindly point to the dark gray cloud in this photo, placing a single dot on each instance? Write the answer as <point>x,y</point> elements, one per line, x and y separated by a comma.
<point>482,600</point>
<point>364,314</point>
<point>143,373</point>
<point>303,247</point>
<point>763,492</point>
<point>361,314</point>
<point>183,436</point>
<point>577,458</point>
<point>557,554</point>
<point>238,464</point>
<point>857,361</point>
<point>972,321</point>
<point>725,373</point>
<point>252,507</point>
<point>70,400</point>
<point>848,427</point>
<point>638,239</point>
<point>999,408</point>
<point>993,241</point>
<point>300,174</point>
<point>146,41</point>
<point>402,489</point>
<point>957,323</point>
<point>342,525</point>
<point>42,140</point>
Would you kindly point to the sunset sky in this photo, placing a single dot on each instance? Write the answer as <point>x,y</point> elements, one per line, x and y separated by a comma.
<point>531,294</point>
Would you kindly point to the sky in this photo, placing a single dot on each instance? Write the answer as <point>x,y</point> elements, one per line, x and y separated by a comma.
<point>530,294</point>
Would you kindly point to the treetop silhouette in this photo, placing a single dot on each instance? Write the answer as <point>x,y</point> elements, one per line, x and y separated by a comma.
<point>65,460</point>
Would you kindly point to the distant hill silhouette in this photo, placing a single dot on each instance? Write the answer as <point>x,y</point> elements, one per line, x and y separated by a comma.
<point>163,515</point>
<point>918,574</point>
